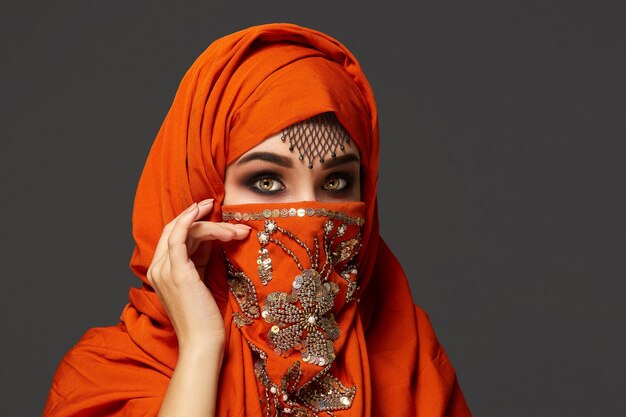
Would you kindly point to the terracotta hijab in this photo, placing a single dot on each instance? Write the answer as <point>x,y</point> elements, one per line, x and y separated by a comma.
<point>243,88</point>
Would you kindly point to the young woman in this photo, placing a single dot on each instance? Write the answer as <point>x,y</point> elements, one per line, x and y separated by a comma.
<point>267,289</point>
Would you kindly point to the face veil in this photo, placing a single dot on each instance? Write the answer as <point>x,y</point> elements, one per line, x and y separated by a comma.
<point>292,284</point>
<point>378,355</point>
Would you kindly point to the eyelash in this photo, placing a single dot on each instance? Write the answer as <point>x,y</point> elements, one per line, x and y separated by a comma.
<point>252,182</point>
<point>340,176</point>
<point>254,179</point>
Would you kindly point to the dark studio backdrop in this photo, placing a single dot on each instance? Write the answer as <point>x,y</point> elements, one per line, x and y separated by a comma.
<point>501,183</point>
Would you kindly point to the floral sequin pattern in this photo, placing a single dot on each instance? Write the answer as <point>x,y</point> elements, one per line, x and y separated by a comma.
<point>302,319</point>
<point>243,290</point>
<point>322,394</point>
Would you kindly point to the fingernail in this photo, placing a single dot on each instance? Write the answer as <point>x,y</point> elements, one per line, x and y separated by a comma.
<point>191,208</point>
<point>243,226</point>
<point>206,202</point>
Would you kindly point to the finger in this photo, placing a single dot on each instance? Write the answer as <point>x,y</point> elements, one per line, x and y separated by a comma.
<point>205,234</point>
<point>204,208</point>
<point>176,242</point>
<point>158,271</point>
<point>203,231</point>
<point>161,248</point>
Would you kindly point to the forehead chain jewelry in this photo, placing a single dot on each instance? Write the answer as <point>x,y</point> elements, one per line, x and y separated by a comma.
<point>316,137</point>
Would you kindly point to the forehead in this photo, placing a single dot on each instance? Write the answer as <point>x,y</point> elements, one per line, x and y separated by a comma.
<point>312,141</point>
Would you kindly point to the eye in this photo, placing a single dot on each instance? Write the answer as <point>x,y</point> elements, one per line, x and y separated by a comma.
<point>267,185</point>
<point>336,182</point>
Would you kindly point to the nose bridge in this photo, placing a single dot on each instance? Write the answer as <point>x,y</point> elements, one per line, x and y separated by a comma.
<point>305,191</point>
<point>304,185</point>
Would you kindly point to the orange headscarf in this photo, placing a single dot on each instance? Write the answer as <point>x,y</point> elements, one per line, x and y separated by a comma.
<point>242,89</point>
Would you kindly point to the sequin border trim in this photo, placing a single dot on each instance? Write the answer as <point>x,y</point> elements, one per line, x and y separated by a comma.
<point>292,212</point>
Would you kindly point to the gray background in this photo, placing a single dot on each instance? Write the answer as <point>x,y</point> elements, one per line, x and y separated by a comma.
<point>501,187</point>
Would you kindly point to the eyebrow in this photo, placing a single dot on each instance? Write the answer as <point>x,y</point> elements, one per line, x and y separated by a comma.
<point>286,162</point>
<point>274,158</point>
<point>339,160</point>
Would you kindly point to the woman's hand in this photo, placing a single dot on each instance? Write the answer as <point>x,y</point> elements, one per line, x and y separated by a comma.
<point>176,273</point>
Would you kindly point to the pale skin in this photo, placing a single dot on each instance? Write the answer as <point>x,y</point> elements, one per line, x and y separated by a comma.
<point>267,173</point>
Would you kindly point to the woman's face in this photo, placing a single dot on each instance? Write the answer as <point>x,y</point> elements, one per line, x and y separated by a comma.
<point>271,173</point>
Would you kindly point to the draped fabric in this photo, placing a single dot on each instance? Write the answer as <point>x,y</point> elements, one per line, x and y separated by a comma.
<point>243,88</point>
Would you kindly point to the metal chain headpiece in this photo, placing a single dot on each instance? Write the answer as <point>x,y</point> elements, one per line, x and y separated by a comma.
<point>316,137</point>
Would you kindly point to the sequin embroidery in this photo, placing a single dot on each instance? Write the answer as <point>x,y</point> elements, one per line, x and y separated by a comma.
<point>240,320</point>
<point>243,290</point>
<point>310,327</point>
<point>292,212</point>
<point>322,394</point>
<point>300,320</point>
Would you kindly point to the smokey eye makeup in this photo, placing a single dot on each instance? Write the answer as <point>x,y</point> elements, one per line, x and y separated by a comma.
<point>270,183</point>
<point>338,183</point>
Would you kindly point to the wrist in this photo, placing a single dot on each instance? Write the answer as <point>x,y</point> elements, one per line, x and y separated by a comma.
<point>206,347</point>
